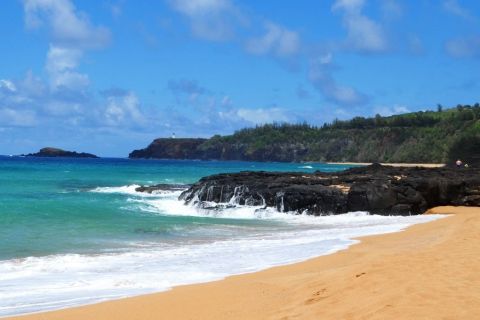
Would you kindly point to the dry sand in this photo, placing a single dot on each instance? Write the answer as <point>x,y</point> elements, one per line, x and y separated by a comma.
<point>408,165</point>
<point>429,271</point>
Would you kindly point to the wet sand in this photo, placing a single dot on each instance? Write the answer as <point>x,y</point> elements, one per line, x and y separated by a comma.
<point>429,271</point>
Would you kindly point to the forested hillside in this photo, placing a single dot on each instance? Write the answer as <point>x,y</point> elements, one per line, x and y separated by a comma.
<point>430,136</point>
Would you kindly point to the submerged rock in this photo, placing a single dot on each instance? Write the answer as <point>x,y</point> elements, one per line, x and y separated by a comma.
<point>56,152</point>
<point>159,188</point>
<point>375,188</point>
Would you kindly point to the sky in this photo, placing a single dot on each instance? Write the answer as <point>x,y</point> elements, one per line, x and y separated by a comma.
<point>109,76</point>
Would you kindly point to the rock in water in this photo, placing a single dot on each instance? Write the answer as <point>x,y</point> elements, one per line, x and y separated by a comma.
<point>159,188</point>
<point>56,152</point>
<point>377,189</point>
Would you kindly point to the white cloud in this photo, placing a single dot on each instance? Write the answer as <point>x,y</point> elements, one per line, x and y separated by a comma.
<point>186,88</point>
<point>61,65</point>
<point>363,33</point>
<point>33,85</point>
<point>7,85</point>
<point>212,20</point>
<point>10,117</point>
<point>200,7</point>
<point>226,101</point>
<point>66,25</point>
<point>259,116</point>
<point>320,75</point>
<point>65,109</point>
<point>15,106</point>
<point>464,47</point>
<point>13,93</point>
<point>71,33</point>
<point>277,40</point>
<point>453,7</point>
<point>116,9</point>
<point>33,102</point>
<point>391,9</point>
<point>349,5</point>
<point>190,94</point>
<point>388,111</point>
<point>256,116</point>
<point>123,110</point>
<point>220,20</point>
<point>325,59</point>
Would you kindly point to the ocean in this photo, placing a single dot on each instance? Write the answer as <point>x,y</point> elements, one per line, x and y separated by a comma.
<point>74,231</point>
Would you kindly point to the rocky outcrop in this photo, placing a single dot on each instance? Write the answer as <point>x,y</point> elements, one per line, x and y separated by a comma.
<point>169,148</point>
<point>159,188</point>
<point>56,152</point>
<point>204,149</point>
<point>376,189</point>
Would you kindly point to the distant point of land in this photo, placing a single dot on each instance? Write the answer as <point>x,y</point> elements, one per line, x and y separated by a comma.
<point>56,152</point>
<point>433,137</point>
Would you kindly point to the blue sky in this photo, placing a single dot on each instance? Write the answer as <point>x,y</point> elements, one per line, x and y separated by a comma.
<point>109,76</point>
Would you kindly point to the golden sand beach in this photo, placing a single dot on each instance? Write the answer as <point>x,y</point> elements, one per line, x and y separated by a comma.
<point>429,271</point>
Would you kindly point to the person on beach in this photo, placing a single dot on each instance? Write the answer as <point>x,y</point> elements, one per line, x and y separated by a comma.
<point>458,163</point>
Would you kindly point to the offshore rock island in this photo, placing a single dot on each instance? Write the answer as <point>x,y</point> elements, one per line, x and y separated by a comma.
<point>377,189</point>
<point>50,152</point>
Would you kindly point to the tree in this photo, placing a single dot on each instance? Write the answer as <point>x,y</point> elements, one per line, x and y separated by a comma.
<point>439,108</point>
<point>379,120</point>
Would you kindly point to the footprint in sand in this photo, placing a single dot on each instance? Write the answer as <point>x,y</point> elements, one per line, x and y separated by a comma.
<point>317,296</point>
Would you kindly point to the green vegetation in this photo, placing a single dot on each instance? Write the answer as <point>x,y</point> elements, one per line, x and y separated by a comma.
<point>424,136</point>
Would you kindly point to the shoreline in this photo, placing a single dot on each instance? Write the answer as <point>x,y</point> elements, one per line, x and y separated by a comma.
<point>400,165</point>
<point>416,273</point>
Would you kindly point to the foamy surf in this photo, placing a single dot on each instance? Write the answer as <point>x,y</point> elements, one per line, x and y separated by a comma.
<point>131,190</point>
<point>166,202</point>
<point>45,283</point>
<point>86,235</point>
<point>128,189</point>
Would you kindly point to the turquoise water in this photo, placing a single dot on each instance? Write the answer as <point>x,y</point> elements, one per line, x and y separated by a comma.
<point>74,231</point>
<point>47,207</point>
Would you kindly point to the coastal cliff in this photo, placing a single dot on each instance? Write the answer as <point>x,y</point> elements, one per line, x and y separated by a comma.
<point>420,137</point>
<point>377,189</point>
<point>165,148</point>
<point>56,152</point>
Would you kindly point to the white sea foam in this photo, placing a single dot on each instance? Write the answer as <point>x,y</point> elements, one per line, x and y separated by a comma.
<point>306,167</point>
<point>58,281</point>
<point>128,189</point>
<point>166,202</point>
